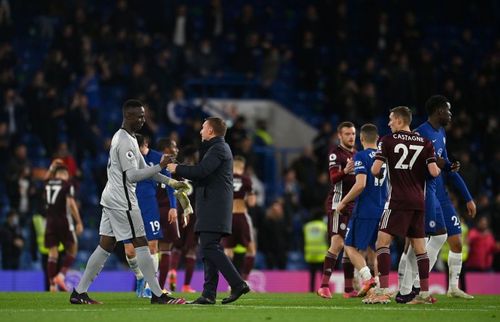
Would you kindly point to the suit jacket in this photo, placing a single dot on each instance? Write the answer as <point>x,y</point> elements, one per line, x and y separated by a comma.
<point>213,182</point>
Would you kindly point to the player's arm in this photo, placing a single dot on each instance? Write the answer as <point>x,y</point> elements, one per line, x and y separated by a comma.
<point>377,167</point>
<point>459,183</point>
<point>355,191</point>
<point>430,159</point>
<point>337,173</point>
<point>75,213</point>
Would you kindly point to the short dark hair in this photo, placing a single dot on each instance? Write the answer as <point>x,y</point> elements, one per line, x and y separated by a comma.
<point>218,125</point>
<point>434,103</point>
<point>369,132</point>
<point>130,104</point>
<point>344,124</point>
<point>164,143</point>
<point>403,112</point>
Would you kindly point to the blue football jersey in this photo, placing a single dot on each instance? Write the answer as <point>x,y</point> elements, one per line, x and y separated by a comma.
<point>147,188</point>
<point>370,203</point>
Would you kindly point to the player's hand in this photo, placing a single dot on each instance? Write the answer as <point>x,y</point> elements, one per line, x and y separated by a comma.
<point>171,167</point>
<point>164,161</point>
<point>340,207</point>
<point>441,163</point>
<point>172,215</point>
<point>471,208</point>
<point>349,167</point>
<point>79,229</point>
<point>455,166</point>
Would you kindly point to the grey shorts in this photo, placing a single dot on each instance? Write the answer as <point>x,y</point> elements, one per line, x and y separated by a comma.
<point>121,224</point>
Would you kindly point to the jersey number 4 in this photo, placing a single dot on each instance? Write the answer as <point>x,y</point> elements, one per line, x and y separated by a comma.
<point>52,192</point>
<point>402,162</point>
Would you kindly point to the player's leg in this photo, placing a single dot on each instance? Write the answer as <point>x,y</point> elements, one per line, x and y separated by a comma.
<point>191,244</point>
<point>331,255</point>
<point>94,264</point>
<point>452,220</point>
<point>71,247</point>
<point>131,258</point>
<point>416,233</point>
<point>52,267</point>
<point>164,265</point>
<point>189,263</point>
<point>248,241</point>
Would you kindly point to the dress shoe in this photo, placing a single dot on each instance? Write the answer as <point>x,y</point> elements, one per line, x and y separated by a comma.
<point>202,300</point>
<point>236,293</point>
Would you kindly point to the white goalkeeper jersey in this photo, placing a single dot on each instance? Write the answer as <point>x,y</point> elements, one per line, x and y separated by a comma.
<point>124,154</point>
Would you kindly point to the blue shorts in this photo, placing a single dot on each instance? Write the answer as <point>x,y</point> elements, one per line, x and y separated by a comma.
<point>451,218</point>
<point>151,218</point>
<point>434,219</point>
<point>362,233</point>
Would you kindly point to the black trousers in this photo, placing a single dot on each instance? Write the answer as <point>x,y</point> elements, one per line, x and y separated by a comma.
<point>215,261</point>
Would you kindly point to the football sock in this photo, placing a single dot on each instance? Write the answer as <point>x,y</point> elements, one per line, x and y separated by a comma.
<point>401,269</point>
<point>365,273</point>
<point>147,268</point>
<point>51,268</point>
<point>154,257</point>
<point>455,267</point>
<point>132,263</point>
<point>348,274</point>
<point>423,271</point>
<point>410,273</point>
<point>164,266</point>
<point>433,247</point>
<point>247,266</point>
<point>384,265</point>
<point>328,265</point>
<point>174,260</point>
<point>68,262</point>
<point>189,263</point>
<point>94,266</point>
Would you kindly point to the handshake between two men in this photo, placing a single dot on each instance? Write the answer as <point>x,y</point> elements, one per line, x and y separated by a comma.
<point>182,188</point>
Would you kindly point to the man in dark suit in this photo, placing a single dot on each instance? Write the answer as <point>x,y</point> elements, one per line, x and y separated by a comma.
<point>213,180</point>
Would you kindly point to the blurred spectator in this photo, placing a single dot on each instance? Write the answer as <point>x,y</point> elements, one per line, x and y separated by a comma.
<point>12,241</point>
<point>273,236</point>
<point>321,144</point>
<point>65,155</point>
<point>82,127</point>
<point>482,246</point>
<point>13,113</point>
<point>181,29</point>
<point>214,19</point>
<point>18,176</point>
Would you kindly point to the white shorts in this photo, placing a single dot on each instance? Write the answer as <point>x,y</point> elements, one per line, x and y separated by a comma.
<point>121,224</point>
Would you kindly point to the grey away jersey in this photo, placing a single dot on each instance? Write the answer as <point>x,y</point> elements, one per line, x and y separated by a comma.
<point>124,154</point>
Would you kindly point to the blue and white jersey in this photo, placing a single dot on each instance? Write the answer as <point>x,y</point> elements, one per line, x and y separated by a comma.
<point>370,203</point>
<point>146,189</point>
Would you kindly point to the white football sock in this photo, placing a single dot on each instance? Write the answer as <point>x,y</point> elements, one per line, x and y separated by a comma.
<point>156,262</point>
<point>433,247</point>
<point>147,268</point>
<point>132,262</point>
<point>402,269</point>
<point>410,273</point>
<point>455,267</point>
<point>94,266</point>
<point>365,273</point>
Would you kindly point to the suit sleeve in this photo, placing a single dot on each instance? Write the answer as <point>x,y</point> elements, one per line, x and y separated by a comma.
<point>207,165</point>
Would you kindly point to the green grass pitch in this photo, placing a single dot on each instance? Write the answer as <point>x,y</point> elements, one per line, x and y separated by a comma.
<point>120,307</point>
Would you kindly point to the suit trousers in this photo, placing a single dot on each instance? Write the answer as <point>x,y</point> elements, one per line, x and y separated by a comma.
<point>215,261</point>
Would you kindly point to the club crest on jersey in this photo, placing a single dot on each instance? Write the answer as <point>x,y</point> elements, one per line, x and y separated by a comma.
<point>342,226</point>
<point>432,223</point>
<point>129,155</point>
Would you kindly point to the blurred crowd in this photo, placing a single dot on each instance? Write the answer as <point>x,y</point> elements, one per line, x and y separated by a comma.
<point>66,67</point>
